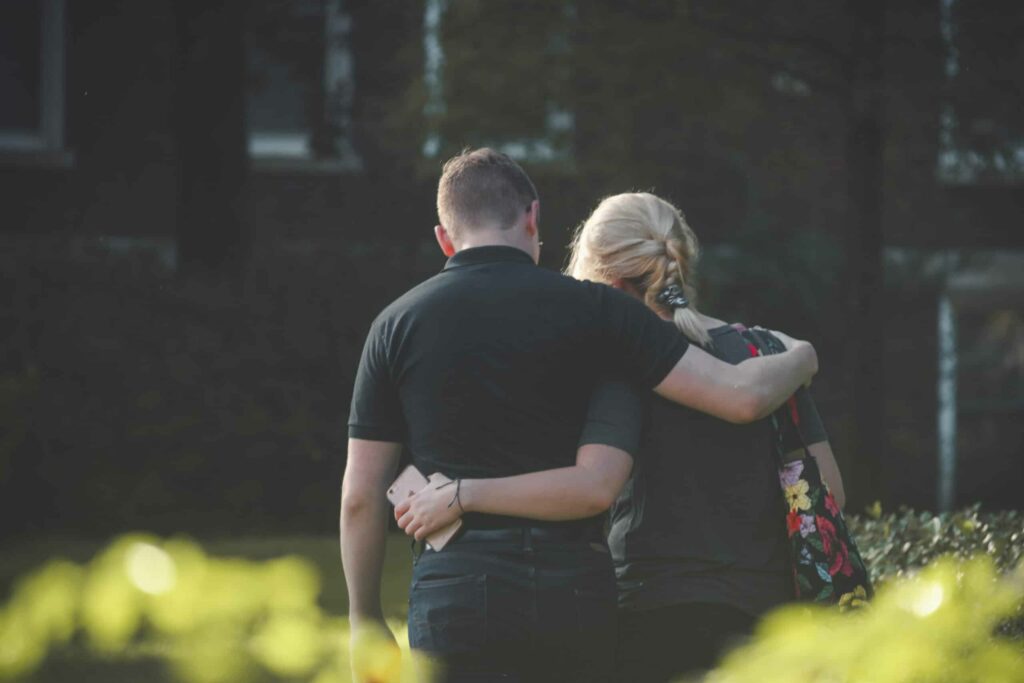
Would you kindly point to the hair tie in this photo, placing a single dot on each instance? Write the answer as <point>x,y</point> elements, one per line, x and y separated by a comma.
<point>673,297</point>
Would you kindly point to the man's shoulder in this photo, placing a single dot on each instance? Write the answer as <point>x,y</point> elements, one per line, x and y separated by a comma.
<point>416,293</point>
<point>443,285</point>
<point>441,291</point>
<point>404,304</point>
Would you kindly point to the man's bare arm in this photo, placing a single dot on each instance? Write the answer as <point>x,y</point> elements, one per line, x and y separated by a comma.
<point>739,393</point>
<point>364,523</point>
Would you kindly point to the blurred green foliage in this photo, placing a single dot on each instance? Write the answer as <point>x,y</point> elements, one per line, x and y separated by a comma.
<point>937,626</point>
<point>959,619</point>
<point>209,619</point>
<point>212,619</point>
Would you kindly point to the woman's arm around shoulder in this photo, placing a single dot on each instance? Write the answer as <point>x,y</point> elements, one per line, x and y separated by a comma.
<point>583,490</point>
<point>604,460</point>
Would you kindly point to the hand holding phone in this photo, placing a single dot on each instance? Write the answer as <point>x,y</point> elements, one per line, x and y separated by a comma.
<point>410,482</point>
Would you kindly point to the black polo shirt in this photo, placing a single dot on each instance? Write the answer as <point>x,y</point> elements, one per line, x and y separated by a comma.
<point>486,369</point>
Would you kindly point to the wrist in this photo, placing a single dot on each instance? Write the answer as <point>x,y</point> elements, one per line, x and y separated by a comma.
<point>467,495</point>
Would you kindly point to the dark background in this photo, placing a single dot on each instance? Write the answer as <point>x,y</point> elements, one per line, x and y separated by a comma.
<point>185,295</point>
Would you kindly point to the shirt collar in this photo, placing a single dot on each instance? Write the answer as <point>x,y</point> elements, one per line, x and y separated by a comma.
<point>489,254</point>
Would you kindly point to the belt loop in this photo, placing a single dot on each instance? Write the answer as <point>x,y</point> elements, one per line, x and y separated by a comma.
<point>417,548</point>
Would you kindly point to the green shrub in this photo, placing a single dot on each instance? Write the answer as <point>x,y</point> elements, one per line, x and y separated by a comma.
<point>938,626</point>
<point>210,620</point>
<point>896,543</point>
<point>948,609</point>
<point>951,589</point>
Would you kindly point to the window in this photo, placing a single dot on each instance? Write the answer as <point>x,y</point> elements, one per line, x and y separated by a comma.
<point>990,333</point>
<point>987,297</point>
<point>498,73</point>
<point>300,84</point>
<point>981,136</point>
<point>32,76</point>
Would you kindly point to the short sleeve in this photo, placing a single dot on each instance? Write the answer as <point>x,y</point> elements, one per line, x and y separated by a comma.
<point>376,411</point>
<point>804,414</point>
<point>643,345</point>
<point>615,416</point>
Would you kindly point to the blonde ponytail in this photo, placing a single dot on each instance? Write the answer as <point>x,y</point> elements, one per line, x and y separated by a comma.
<point>644,240</point>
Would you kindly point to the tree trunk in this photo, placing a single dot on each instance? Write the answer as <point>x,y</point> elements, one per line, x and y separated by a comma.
<point>864,246</point>
<point>210,134</point>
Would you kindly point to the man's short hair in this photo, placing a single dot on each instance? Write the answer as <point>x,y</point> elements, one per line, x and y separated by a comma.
<point>482,188</point>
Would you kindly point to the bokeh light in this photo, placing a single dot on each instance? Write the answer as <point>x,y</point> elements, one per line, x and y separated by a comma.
<point>923,599</point>
<point>150,568</point>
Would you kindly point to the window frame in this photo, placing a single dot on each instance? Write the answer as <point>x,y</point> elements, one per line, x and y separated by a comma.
<point>536,150</point>
<point>291,150</point>
<point>46,143</point>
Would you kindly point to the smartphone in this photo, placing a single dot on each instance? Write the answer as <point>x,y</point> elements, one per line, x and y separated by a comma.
<point>409,482</point>
<point>412,481</point>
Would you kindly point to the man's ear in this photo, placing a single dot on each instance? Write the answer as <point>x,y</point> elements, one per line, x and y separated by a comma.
<point>444,240</point>
<point>533,218</point>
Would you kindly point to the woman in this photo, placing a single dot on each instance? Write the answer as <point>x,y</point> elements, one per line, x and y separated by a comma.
<point>697,534</point>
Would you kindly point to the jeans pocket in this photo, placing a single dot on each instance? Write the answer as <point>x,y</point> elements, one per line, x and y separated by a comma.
<point>448,615</point>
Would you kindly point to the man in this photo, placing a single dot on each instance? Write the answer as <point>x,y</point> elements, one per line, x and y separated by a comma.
<point>485,370</point>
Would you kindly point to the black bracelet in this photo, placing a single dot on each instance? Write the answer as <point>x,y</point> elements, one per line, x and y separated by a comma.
<point>457,498</point>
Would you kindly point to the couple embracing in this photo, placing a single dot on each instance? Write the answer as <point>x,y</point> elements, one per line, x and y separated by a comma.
<point>547,400</point>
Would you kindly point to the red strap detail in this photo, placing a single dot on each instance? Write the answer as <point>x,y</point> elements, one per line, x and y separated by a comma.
<point>754,351</point>
<point>791,402</point>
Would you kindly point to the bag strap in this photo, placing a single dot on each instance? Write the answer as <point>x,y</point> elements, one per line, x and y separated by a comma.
<point>763,343</point>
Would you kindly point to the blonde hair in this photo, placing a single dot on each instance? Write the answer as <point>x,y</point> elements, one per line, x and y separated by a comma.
<point>644,240</point>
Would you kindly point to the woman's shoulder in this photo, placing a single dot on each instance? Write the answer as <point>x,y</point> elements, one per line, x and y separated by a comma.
<point>731,341</point>
<point>742,329</point>
<point>717,329</point>
<point>757,337</point>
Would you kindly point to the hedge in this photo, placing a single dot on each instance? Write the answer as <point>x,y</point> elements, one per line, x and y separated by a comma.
<point>949,608</point>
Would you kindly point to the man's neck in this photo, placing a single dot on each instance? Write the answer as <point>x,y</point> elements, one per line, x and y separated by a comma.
<point>490,239</point>
<point>486,238</point>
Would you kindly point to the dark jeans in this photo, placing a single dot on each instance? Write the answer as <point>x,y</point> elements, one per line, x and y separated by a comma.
<point>516,605</point>
<point>663,644</point>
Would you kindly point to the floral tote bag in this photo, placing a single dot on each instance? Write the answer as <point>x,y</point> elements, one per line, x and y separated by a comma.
<point>827,567</point>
